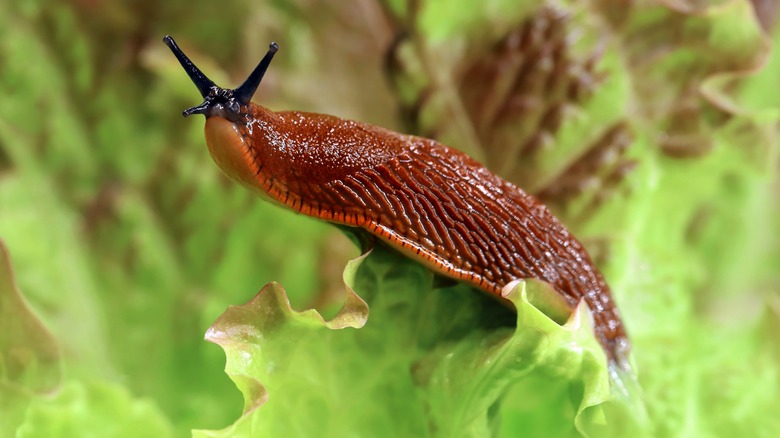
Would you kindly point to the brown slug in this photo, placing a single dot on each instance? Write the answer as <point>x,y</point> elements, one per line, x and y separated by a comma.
<point>432,203</point>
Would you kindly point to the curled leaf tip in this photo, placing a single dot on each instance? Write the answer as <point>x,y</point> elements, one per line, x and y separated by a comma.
<point>251,335</point>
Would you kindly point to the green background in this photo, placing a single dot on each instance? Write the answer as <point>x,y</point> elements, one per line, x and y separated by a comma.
<point>127,243</point>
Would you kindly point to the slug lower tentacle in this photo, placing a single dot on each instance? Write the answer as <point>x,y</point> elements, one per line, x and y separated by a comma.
<point>433,203</point>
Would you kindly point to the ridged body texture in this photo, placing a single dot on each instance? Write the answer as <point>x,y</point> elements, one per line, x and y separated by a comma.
<point>433,203</point>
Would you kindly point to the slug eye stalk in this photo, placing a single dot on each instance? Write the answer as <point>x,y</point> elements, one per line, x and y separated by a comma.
<point>217,100</point>
<point>245,92</point>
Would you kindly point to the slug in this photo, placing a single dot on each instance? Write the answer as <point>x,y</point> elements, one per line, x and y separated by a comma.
<point>432,203</point>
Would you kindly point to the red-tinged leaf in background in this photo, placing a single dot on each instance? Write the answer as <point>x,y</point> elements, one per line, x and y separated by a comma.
<point>29,355</point>
<point>537,103</point>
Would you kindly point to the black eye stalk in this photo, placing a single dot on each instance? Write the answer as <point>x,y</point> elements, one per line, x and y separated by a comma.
<point>216,100</point>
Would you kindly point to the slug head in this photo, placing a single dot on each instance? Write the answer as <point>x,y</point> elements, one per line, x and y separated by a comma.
<point>218,101</point>
<point>228,111</point>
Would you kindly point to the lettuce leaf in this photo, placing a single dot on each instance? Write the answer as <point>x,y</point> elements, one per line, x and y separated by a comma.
<point>428,362</point>
<point>34,402</point>
<point>93,409</point>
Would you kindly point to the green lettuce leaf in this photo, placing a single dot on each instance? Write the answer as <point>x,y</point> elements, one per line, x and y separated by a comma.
<point>428,362</point>
<point>93,409</point>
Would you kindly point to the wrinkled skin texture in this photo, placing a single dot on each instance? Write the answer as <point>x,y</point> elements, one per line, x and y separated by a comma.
<point>433,203</point>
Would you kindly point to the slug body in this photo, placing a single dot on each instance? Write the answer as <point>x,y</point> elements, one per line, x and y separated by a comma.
<point>433,203</point>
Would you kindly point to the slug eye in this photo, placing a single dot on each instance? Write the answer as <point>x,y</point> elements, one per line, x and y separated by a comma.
<point>219,101</point>
<point>233,106</point>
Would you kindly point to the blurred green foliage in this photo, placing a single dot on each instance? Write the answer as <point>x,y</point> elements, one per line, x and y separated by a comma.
<point>127,243</point>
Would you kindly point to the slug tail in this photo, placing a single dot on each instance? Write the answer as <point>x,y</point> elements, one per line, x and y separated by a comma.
<point>628,406</point>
